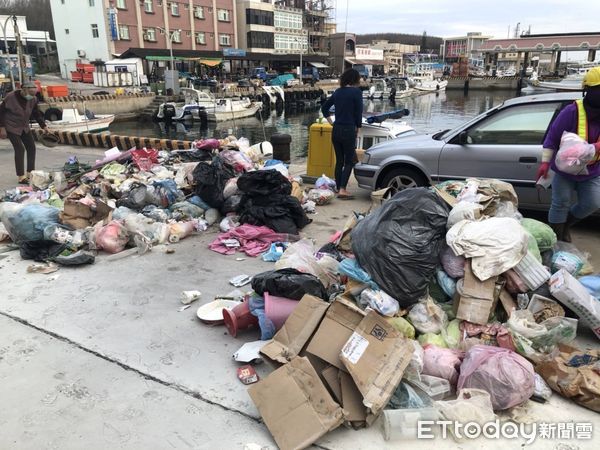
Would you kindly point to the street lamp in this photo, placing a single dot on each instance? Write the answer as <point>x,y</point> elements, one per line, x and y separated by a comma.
<point>300,43</point>
<point>171,35</point>
<point>12,78</point>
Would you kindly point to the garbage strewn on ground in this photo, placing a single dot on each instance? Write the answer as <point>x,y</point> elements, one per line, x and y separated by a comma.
<point>144,197</point>
<point>440,302</point>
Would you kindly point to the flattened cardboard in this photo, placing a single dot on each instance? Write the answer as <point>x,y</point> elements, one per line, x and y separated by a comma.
<point>473,309</point>
<point>297,330</point>
<point>472,287</point>
<point>508,303</point>
<point>376,355</point>
<point>355,411</point>
<point>331,375</point>
<point>295,405</point>
<point>337,326</point>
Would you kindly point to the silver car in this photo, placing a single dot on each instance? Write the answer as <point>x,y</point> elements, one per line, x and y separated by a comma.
<point>505,143</point>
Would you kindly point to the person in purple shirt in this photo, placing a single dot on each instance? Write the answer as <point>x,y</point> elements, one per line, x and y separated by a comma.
<point>562,214</point>
<point>348,121</point>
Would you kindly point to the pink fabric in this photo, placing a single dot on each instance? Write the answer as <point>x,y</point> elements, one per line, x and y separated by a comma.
<point>253,240</point>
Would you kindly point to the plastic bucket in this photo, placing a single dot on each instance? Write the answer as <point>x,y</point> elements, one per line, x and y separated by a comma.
<point>239,318</point>
<point>278,309</point>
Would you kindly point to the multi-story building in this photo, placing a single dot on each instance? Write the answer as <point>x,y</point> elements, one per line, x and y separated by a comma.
<point>467,46</point>
<point>393,55</point>
<point>99,29</point>
<point>282,27</point>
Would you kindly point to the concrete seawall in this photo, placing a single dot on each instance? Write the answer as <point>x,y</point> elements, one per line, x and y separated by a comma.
<point>102,104</point>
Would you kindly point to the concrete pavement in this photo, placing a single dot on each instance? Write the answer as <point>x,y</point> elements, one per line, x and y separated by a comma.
<point>100,357</point>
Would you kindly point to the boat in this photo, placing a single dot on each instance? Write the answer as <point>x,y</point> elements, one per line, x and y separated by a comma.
<point>376,89</point>
<point>401,86</point>
<point>194,106</point>
<point>429,84</point>
<point>380,128</point>
<point>534,84</point>
<point>276,94</point>
<point>74,122</point>
<point>230,109</point>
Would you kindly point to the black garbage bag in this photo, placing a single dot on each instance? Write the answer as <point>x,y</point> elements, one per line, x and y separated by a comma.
<point>281,213</point>
<point>399,243</point>
<point>331,249</point>
<point>288,283</point>
<point>135,198</point>
<point>210,180</point>
<point>40,250</point>
<point>261,183</point>
<point>231,204</point>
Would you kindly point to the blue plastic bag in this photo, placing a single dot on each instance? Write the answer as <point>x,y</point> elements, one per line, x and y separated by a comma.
<point>324,182</point>
<point>275,251</point>
<point>592,284</point>
<point>29,222</point>
<point>350,268</point>
<point>196,200</point>
<point>256,304</point>
<point>447,283</point>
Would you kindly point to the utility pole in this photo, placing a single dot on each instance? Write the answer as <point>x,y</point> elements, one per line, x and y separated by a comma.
<point>8,61</point>
<point>20,55</point>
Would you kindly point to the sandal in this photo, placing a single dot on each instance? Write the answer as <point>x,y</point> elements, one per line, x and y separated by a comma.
<point>23,180</point>
<point>345,196</point>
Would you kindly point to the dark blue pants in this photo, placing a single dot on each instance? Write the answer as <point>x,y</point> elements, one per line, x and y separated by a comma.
<point>344,143</point>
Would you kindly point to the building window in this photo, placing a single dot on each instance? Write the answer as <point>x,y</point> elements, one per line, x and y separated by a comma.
<point>150,34</point>
<point>288,20</point>
<point>66,31</point>
<point>260,39</point>
<point>259,17</point>
<point>224,39</point>
<point>90,2</point>
<point>201,38</point>
<point>176,37</point>
<point>288,42</point>
<point>199,12</point>
<point>95,33</point>
<point>121,4</point>
<point>148,6</point>
<point>174,9</point>
<point>124,32</point>
<point>223,15</point>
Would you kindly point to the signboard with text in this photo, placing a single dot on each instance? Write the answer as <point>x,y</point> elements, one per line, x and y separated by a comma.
<point>234,52</point>
<point>369,53</point>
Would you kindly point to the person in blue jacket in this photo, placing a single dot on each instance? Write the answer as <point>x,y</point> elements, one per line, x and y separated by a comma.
<point>348,103</point>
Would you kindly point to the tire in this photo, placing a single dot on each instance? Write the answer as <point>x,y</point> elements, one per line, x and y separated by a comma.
<point>53,114</point>
<point>403,178</point>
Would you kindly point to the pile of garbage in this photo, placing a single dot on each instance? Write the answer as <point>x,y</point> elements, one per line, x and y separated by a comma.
<point>144,197</point>
<point>442,303</point>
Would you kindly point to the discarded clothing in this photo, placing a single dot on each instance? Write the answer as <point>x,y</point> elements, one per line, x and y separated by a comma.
<point>253,240</point>
<point>288,283</point>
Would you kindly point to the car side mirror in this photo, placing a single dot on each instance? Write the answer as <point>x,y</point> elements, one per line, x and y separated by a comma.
<point>464,138</point>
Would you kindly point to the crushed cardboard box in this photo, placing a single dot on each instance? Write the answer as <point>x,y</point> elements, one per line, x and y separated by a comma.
<point>358,358</point>
<point>475,300</point>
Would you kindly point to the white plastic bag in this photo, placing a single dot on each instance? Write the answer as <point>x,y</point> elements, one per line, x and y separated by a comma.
<point>380,302</point>
<point>574,154</point>
<point>428,317</point>
<point>464,211</point>
<point>300,256</point>
<point>320,196</point>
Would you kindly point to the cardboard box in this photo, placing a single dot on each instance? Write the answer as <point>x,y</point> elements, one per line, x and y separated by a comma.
<point>475,300</point>
<point>292,399</point>
<point>289,341</point>
<point>296,408</point>
<point>569,291</point>
<point>508,302</point>
<point>339,323</point>
<point>475,288</point>
<point>376,355</point>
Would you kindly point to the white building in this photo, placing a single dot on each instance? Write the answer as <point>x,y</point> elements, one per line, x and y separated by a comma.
<point>265,27</point>
<point>36,44</point>
<point>81,30</point>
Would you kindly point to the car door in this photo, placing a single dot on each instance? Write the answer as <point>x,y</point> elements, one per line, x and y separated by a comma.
<point>506,145</point>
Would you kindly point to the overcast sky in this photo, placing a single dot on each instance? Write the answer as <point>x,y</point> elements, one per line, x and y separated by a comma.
<point>447,18</point>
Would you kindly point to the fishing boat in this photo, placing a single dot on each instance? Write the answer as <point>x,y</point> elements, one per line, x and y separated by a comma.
<point>376,89</point>
<point>399,86</point>
<point>569,84</point>
<point>429,84</point>
<point>231,109</point>
<point>72,121</point>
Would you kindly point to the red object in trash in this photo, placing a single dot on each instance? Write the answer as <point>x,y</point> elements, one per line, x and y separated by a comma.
<point>247,374</point>
<point>145,158</point>
<point>239,318</point>
<point>278,309</point>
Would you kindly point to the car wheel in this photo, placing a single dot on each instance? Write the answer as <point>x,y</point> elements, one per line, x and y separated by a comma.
<point>403,178</point>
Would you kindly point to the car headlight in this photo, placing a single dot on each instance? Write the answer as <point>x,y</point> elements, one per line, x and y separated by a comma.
<point>366,157</point>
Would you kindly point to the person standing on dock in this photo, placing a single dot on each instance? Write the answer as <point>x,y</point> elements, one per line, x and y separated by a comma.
<point>348,103</point>
<point>17,109</point>
<point>583,118</point>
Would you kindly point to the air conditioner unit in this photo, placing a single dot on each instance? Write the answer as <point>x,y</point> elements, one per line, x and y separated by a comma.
<point>159,2</point>
<point>188,33</point>
<point>81,53</point>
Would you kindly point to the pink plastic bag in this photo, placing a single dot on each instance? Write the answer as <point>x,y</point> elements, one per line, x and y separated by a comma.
<point>237,160</point>
<point>574,154</point>
<point>453,265</point>
<point>506,375</point>
<point>442,362</point>
<point>112,238</point>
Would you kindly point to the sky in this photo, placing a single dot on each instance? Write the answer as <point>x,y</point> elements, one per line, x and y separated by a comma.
<point>446,18</point>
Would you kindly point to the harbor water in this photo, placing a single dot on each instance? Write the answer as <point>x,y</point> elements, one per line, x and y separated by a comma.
<point>428,113</point>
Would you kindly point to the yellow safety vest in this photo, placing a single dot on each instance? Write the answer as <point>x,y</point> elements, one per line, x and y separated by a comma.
<point>582,124</point>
